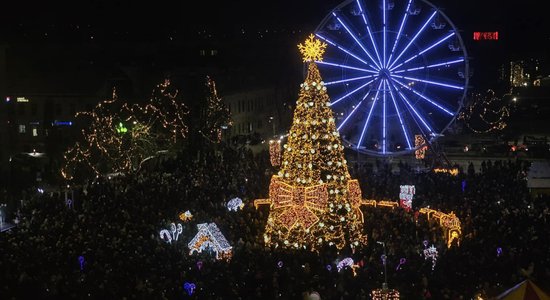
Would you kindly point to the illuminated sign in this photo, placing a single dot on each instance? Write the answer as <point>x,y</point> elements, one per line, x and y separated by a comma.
<point>485,35</point>
<point>22,99</point>
<point>62,123</point>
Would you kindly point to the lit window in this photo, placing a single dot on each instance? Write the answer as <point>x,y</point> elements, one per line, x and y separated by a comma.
<point>203,52</point>
<point>22,129</point>
<point>34,132</point>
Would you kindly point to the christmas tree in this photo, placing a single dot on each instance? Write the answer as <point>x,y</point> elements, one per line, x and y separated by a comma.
<point>313,200</point>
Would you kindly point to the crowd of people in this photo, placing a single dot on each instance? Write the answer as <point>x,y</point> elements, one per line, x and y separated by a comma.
<point>106,244</point>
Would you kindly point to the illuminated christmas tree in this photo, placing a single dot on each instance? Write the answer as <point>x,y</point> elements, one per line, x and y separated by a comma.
<point>215,115</point>
<point>313,200</point>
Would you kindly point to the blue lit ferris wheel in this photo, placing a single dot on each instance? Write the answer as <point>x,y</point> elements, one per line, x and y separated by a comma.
<point>395,70</point>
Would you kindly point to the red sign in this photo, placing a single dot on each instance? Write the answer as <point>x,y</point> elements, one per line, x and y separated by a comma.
<point>485,35</point>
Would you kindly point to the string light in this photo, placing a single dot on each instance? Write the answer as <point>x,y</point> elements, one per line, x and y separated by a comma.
<point>487,113</point>
<point>216,115</point>
<point>310,199</point>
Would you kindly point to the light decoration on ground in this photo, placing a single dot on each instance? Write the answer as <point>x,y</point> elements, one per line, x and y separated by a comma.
<point>450,223</point>
<point>275,152</point>
<point>486,113</point>
<point>172,234</point>
<point>186,216</point>
<point>235,204</point>
<point>310,200</point>
<point>209,236</point>
<point>402,261</point>
<point>450,171</point>
<point>387,203</point>
<point>381,203</point>
<point>432,254</point>
<point>420,143</point>
<point>189,287</point>
<point>406,193</point>
<point>81,261</point>
<point>385,294</point>
<point>347,262</point>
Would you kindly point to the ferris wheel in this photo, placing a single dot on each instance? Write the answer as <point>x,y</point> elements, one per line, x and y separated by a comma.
<point>395,70</point>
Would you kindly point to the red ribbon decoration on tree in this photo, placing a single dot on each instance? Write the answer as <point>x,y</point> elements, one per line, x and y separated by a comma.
<point>297,203</point>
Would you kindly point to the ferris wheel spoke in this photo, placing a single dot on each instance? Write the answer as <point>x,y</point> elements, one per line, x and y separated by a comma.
<point>343,49</point>
<point>353,111</point>
<point>369,115</point>
<point>456,87</point>
<point>415,113</point>
<point>384,118</point>
<point>368,30</point>
<point>390,65</point>
<point>424,97</point>
<point>425,50</point>
<point>352,92</point>
<point>346,67</point>
<point>357,40</point>
<point>348,79</point>
<point>385,25</point>
<point>403,21</point>
<point>446,63</point>
<point>399,116</point>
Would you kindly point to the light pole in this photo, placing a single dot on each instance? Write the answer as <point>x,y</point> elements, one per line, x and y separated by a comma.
<point>384,258</point>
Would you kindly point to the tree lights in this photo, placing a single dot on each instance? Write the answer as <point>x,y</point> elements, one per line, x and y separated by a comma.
<point>487,113</point>
<point>275,152</point>
<point>313,200</point>
<point>117,137</point>
<point>216,116</point>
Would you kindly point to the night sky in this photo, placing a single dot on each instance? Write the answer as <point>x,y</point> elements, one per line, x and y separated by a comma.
<point>522,21</point>
<point>524,29</point>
